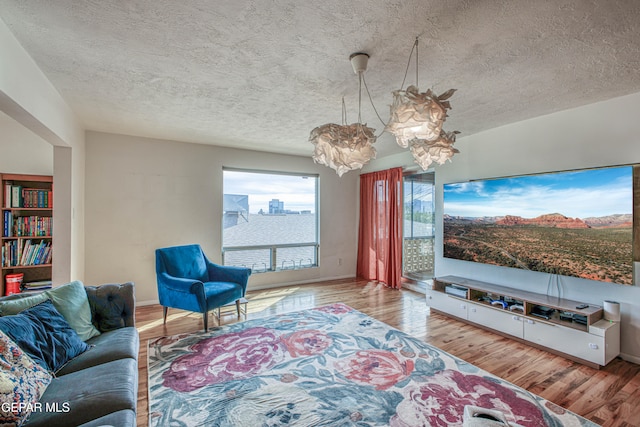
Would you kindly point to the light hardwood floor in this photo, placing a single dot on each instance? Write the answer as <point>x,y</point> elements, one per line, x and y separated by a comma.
<point>610,396</point>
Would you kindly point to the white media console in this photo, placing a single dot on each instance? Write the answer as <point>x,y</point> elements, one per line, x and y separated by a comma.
<point>554,324</point>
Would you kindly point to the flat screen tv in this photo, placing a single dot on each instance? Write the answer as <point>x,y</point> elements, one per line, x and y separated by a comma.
<point>573,223</point>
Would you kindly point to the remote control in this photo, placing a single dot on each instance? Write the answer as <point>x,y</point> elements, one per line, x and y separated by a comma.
<point>581,306</point>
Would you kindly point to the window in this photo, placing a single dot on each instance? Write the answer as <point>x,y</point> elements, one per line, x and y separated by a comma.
<point>418,227</point>
<point>270,220</point>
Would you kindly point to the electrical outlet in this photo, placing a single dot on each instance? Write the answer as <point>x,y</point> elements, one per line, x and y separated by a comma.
<point>339,261</point>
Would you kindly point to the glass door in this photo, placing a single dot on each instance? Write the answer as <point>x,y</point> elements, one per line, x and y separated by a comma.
<point>418,227</point>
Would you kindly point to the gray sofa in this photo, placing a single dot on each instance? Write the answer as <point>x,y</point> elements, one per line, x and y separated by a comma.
<point>100,386</point>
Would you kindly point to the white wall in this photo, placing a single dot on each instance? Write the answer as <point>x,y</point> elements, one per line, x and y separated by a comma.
<point>143,194</point>
<point>28,97</point>
<point>22,151</point>
<point>601,134</point>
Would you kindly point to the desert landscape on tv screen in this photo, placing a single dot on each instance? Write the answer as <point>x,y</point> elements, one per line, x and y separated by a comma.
<point>576,223</point>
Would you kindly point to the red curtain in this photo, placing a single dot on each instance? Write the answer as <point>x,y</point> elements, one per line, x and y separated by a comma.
<point>379,234</point>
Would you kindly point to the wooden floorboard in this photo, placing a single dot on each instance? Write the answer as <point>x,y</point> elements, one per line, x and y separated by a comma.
<point>609,396</point>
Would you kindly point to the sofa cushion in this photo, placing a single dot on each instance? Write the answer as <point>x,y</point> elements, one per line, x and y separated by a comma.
<point>106,347</point>
<point>89,394</point>
<point>22,382</point>
<point>112,305</point>
<point>124,418</point>
<point>42,333</point>
<point>71,301</point>
<point>15,304</point>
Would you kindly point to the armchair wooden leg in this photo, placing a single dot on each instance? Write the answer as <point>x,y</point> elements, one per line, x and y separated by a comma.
<point>238,307</point>
<point>164,313</point>
<point>205,318</point>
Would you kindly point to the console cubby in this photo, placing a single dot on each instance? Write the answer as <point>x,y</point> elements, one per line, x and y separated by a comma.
<point>553,323</point>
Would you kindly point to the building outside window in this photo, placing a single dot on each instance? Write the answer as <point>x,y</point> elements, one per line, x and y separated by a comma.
<point>270,220</point>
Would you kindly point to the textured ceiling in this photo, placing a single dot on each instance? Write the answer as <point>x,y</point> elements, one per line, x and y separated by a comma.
<point>261,74</point>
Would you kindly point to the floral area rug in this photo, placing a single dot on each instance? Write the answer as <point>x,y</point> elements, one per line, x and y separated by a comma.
<point>328,366</point>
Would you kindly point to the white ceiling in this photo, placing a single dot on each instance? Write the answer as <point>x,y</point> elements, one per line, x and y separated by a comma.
<point>260,74</point>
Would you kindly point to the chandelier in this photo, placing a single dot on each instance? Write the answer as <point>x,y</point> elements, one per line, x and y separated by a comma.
<point>416,121</point>
<point>416,115</point>
<point>345,147</point>
<point>426,152</point>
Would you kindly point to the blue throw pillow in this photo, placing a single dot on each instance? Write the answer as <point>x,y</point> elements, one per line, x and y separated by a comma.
<point>42,333</point>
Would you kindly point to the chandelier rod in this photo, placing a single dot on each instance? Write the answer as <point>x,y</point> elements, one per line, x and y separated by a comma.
<point>374,107</point>
<point>344,112</point>
<point>406,71</point>
<point>359,96</point>
<point>360,102</point>
<point>417,50</point>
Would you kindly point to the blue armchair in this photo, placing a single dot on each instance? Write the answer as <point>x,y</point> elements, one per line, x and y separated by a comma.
<point>189,281</point>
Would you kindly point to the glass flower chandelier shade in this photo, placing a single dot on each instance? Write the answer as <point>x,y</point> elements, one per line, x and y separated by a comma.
<point>343,147</point>
<point>426,152</point>
<point>417,115</point>
<point>416,122</point>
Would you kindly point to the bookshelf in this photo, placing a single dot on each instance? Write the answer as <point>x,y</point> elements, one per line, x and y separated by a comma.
<point>27,228</point>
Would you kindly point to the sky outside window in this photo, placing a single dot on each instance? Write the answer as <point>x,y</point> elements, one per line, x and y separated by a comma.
<point>296,191</point>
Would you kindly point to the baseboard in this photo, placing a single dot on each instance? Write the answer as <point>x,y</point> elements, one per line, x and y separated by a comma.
<point>630,358</point>
<point>297,282</point>
<point>150,302</point>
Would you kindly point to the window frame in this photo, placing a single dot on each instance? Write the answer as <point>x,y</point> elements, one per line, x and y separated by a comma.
<point>411,243</point>
<point>273,248</point>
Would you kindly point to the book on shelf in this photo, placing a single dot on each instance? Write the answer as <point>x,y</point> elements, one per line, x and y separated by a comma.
<point>7,194</point>
<point>7,221</point>
<point>25,253</point>
<point>36,198</point>
<point>16,196</point>
<point>31,226</point>
<point>36,286</point>
<point>35,290</point>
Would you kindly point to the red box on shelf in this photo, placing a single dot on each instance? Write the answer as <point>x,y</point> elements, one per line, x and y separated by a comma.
<point>12,283</point>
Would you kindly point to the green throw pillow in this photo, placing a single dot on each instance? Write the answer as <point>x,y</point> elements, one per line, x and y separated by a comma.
<point>15,306</point>
<point>72,302</point>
